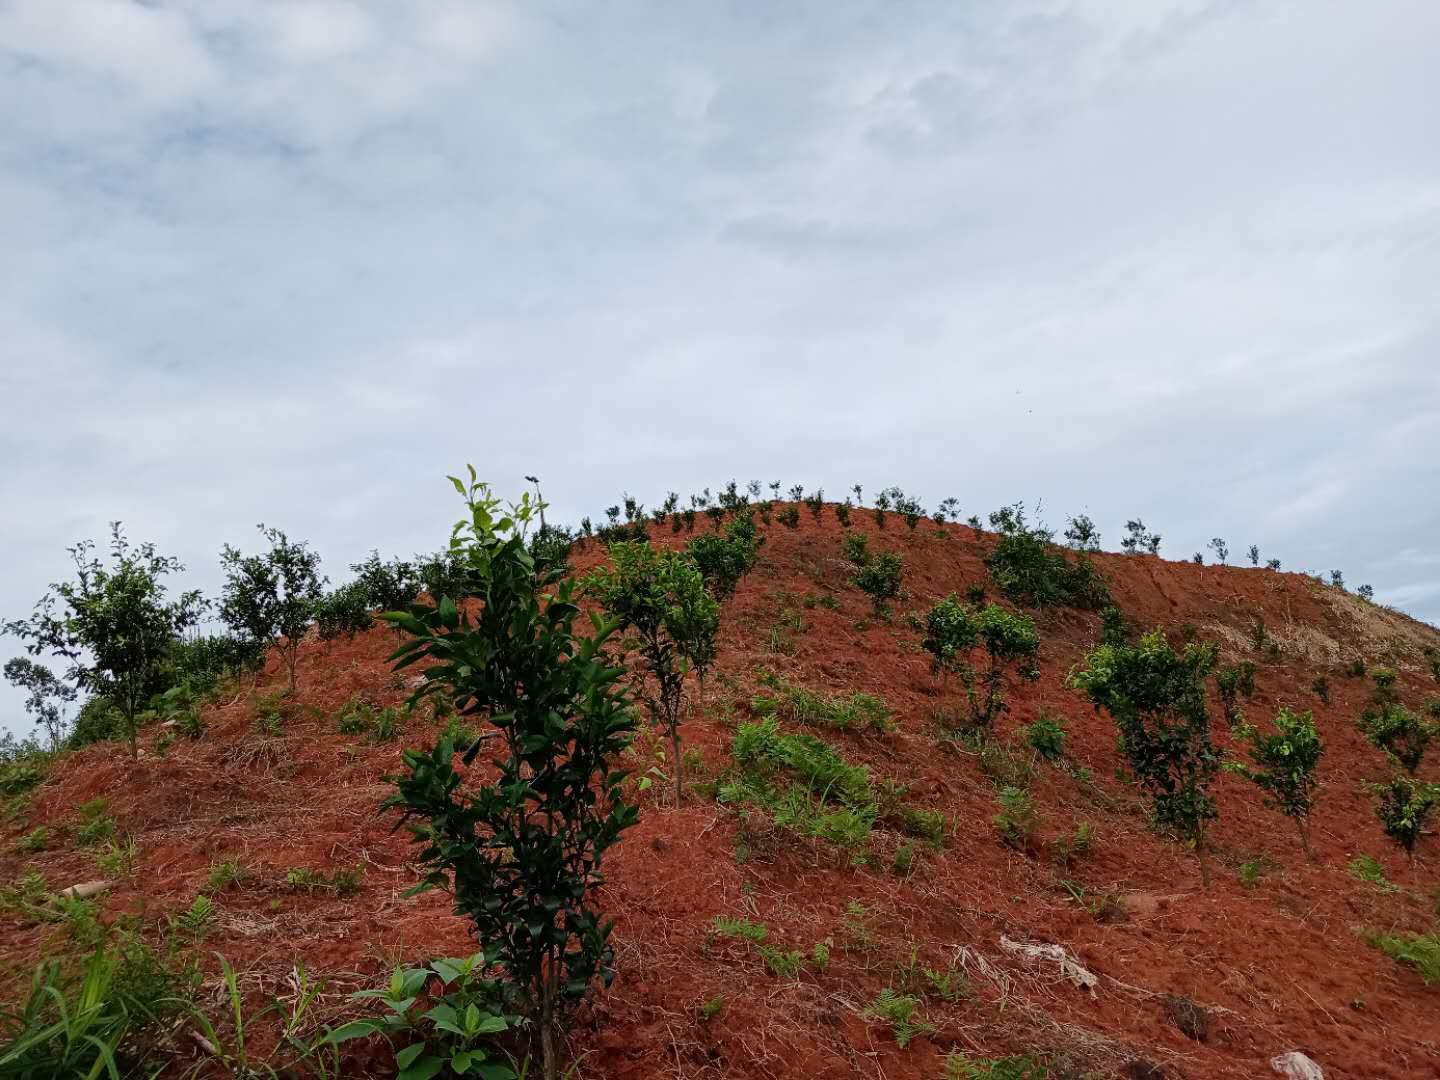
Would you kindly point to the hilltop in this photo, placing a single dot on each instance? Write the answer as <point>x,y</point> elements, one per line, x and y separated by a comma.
<point>1269,952</point>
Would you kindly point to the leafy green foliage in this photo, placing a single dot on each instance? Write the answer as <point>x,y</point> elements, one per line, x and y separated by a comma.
<point>723,559</point>
<point>46,696</point>
<point>902,1013</point>
<point>1369,869</point>
<point>1231,681</point>
<point>272,597</point>
<point>661,597</point>
<point>1394,729</point>
<point>1403,806</point>
<point>1009,641</point>
<point>342,882</point>
<point>1157,699</point>
<point>523,854</point>
<point>344,612</point>
<point>790,701</point>
<point>1028,568</point>
<point>876,575</point>
<point>1284,766</point>
<point>456,1034</point>
<point>1046,736</point>
<point>113,624</point>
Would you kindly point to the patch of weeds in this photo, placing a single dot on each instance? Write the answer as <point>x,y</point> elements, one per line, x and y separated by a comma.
<point>1067,850</point>
<point>820,955</point>
<point>1252,870</point>
<point>915,978</point>
<point>1018,819</point>
<point>119,857</point>
<point>853,712</point>
<point>196,919</point>
<point>927,825</point>
<point>1420,951</point>
<point>96,825</point>
<point>163,743</point>
<point>387,726</point>
<point>965,1067</point>
<point>356,717</point>
<point>901,1012</point>
<point>1104,907</point>
<point>81,920</point>
<point>904,860</point>
<point>344,882</point>
<point>224,873</point>
<point>745,929</point>
<point>37,839</point>
<point>1368,869</point>
<point>1046,736</point>
<point>1002,765</point>
<point>712,1008</point>
<point>855,928</point>
<point>782,963</point>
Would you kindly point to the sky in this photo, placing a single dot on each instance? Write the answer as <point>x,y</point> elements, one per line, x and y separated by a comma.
<point>292,261</point>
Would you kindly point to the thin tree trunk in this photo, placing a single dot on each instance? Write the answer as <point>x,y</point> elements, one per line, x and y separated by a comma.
<point>134,736</point>
<point>679,764</point>
<point>549,1057</point>
<point>1305,839</point>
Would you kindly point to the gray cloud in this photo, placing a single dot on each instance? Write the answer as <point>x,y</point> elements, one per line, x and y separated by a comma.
<point>293,262</point>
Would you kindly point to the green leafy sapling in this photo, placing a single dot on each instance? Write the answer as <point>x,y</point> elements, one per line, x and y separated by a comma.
<point>113,624</point>
<point>1254,554</point>
<point>1139,540</point>
<point>1394,729</point>
<point>724,558</point>
<point>661,597</point>
<point>1404,805</point>
<point>1284,764</point>
<point>273,597</point>
<point>46,696</point>
<point>521,855</point>
<point>1157,699</point>
<point>1010,643</point>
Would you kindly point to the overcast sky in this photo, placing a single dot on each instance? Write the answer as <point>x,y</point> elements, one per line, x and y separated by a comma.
<point>292,261</point>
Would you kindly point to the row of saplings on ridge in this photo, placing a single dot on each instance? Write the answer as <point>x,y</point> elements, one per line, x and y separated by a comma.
<point>522,856</point>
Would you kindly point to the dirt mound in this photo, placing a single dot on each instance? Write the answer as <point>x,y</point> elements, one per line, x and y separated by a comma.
<point>1272,966</point>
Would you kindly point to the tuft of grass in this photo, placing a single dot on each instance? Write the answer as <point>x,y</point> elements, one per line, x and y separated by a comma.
<point>344,882</point>
<point>712,1008</point>
<point>119,857</point>
<point>197,918</point>
<point>96,825</point>
<point>1017,820</point>
<point>852,712</point>
<point>783,963</point>
<point>1067,849</point>
<point>1367,869</point>
<point>225,873</point>
<point>37,839</point>
<point>1420,951</point>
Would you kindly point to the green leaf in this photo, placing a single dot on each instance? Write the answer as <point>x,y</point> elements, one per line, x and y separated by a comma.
<point>423,1069</point>
<point>493,1070</point>
<point>355,1029</point>
<point>404,1058</point>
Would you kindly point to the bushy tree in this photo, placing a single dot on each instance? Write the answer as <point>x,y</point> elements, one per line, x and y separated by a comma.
<point>387,585</point>
<point>1157,699</point>
<point>1273,564</point>
<point>46,696</point>
<point>343,612</point>
<point>1284,767</point>
<point>113,623</point>
<point>1081,533</point>
<point>1221,549</point>
<point>1139,539</point>
<point>661,596</point>
<point>723,559</point>
<point>1365,592</point>
<point>1254,554</point>
<point>954,630</point>
<point>273,597</point>
<point>1029,569</point>
<point>522,855</point>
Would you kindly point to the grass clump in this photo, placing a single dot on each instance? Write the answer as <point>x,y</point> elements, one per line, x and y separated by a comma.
<point>852,712</point>
<point>1369,870</point>
<point>343,882</point>
<point>1018,819</point>
<point>965,1067</point>
<point>1420,951</point>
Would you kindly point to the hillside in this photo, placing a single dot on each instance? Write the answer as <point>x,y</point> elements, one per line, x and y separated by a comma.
<point>1275,964</point>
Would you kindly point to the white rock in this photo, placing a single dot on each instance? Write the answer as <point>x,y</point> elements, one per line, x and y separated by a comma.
<point>1296,1066</point>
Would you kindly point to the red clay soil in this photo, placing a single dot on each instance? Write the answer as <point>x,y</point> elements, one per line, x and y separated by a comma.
<point>1277,965</point>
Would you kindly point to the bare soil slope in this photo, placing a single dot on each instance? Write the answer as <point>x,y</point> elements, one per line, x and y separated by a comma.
<point>1276,966</point>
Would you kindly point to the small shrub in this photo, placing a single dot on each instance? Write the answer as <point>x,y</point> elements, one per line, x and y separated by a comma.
<point>1066,850</point>
<point>36,840</point>
<point>197,918</point>
<point>1355,669</point>
<point>953,631</point>
<point>343,612</point>
<point>1284,767</point>
<point>1028,568</point>
<point>1403,806</point>
<point>1139,540</point>
<point>723,560</point>
<point>96,826</point>
<point>1399,733</point>
<point>879,576</point>
<point>1046,736</point>
<point>1252,870</point>
<point>782,963</point>
<point>711,1008</point>
<point>1321,687</point>
<point>224,873</point>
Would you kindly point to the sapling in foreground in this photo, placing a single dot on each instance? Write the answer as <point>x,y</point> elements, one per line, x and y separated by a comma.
<point>521,854</point>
